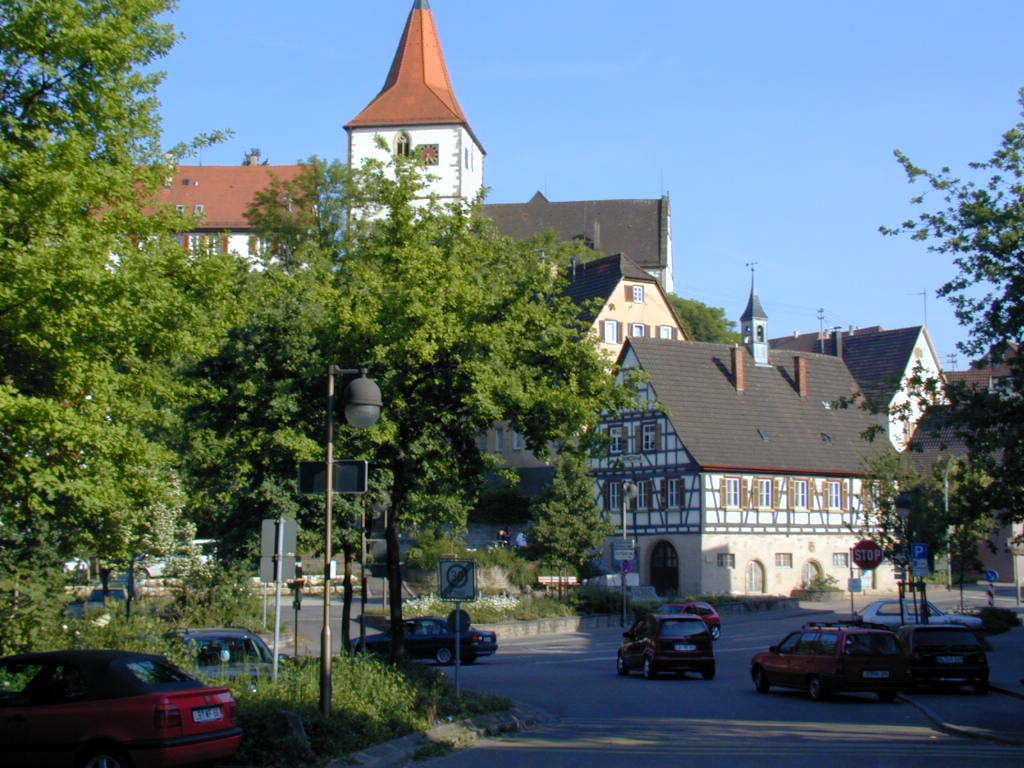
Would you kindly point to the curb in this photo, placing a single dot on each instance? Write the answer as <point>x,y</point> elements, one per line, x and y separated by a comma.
<point>454,735</point>
<point>963,730</point>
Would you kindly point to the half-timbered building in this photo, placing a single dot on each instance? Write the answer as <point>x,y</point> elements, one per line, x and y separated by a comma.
<point>738,473</point>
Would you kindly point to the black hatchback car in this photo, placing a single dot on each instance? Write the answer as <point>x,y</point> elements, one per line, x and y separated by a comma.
<point>946,655</point>
<point>673,643</point>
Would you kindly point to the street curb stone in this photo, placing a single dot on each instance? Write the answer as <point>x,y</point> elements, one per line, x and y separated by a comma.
<point>457,735</point>
<point>963,730</point>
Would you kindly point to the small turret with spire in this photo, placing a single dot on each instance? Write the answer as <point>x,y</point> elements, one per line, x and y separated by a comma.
<point>754,325</point>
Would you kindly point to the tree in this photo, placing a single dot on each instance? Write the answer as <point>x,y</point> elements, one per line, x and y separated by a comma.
<point>703,322</point>
<point>568,528</point>
<point>979,222</point>
<point>98,303</point>
<point>462,328</point>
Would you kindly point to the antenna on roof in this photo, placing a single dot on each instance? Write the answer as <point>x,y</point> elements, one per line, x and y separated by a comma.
<point>951,361</point>
<point>924,298</point>
<point>821,330</point>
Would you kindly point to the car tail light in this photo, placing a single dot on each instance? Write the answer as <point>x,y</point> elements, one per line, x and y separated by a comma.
<point>167,716</point>
<point>475,638</point>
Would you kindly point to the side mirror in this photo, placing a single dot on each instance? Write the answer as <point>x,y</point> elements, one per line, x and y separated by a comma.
<point>628,634</point>
<point>774,649</point>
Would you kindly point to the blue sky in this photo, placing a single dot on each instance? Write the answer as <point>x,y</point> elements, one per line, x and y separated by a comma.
<point>771,125</point>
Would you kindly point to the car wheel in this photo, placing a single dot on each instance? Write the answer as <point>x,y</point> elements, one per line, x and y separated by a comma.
<point>620,665</point>
<point>761,684</point>
<point>709,673</point>
<point>816,688</point>
<point>649,670</point>
<point>887,696</point>
<point>443,656</point>
<point>108,757</point>
<point>716,631</point>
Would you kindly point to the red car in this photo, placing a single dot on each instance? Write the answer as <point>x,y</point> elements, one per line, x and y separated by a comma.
<point>656,644</point>
<point>110,709</point>
<point>698,608</point>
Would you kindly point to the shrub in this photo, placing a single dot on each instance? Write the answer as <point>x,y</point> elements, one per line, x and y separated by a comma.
<point>215,597</point>
<point>489,609</point>
<point>997,620</point>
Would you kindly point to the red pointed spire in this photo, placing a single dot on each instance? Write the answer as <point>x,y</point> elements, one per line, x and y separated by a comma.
<point>418,90</point>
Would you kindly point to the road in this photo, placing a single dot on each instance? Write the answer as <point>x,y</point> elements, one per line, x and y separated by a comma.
<point>600,719</point>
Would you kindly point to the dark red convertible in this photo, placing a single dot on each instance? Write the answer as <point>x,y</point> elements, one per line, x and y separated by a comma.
<point>110,709</point>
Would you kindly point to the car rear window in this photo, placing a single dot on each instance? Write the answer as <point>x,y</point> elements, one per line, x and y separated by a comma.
<point>673,628</point>
<point>871,644</point>
<point>15,677</point>
<point>945,638</point>
<point>155,672</point>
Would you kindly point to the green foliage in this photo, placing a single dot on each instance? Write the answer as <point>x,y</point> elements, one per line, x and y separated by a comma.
<point>978,221</point>
<point>212,597</point>
<point>703,322</point>
<point>568,527</point>
<point>433,544</point>
<point>503,504</point>
<point>31,606</point>
<point>998,620</point>
<point>822,583</point>
<point>490,609</point>
<point>98,302</point>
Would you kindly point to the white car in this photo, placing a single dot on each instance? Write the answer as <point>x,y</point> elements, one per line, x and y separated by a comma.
<point>887,613</point>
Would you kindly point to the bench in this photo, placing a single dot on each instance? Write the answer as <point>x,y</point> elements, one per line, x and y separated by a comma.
<point>558,581</point>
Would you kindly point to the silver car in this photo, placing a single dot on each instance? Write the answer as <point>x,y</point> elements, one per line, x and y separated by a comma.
<point>887,613</point>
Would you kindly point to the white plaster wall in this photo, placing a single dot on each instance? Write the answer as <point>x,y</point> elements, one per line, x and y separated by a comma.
<point>900,429</point>
<point>455,179</point>
<point>654,312</point>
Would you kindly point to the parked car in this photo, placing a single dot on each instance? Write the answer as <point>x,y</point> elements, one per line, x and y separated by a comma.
<point>705,611</point>
<point>947,654</point>
<point>156,567</point>
<point>887,613</point>
<point>110,709</point>
<point>822,659</point>
<point>228,651</point>
<point>430,637</point>
<point>667,643</point>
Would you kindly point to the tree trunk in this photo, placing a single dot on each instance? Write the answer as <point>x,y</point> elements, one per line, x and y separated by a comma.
<point>346,604</point>
<point>395,586</point>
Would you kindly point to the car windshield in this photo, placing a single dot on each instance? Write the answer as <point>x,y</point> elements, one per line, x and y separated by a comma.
<point>212,651</point>
<point>871,644</point>
<point>945,638</point>
<point>674,628</point>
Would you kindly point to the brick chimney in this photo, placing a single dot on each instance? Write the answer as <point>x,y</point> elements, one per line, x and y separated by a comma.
<point>800,374</point>
<point>738,374</point>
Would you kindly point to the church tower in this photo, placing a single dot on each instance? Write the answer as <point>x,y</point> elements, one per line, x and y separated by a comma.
<point>754,327</point>
<point>417,112</point>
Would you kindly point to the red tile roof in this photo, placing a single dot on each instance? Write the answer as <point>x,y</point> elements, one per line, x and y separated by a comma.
<point>418,90</point>
<point>224,191</point>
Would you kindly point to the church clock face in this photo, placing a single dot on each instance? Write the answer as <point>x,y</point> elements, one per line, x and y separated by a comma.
<point>429,153</point>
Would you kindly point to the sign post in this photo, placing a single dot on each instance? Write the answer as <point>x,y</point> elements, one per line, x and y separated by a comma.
<point>867,555</point>
<point>457,580</point>
<point>277,563</point>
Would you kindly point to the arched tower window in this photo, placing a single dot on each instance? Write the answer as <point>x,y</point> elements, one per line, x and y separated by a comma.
<point>403,145</point>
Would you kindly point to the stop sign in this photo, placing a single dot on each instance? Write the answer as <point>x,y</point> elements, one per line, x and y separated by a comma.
<point>867,555</point>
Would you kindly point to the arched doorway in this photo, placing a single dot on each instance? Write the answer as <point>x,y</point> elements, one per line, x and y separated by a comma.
<point>812,573</point>
<point>755,578</point>
<point>664,569</point>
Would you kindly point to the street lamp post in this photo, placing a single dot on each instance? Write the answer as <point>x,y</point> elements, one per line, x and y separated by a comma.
<point>629,492</point>
<point>362,409</point>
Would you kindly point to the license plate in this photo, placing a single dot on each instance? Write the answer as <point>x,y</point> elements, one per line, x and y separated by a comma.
<point>686,647</point>
<point>876,674</point>
<point>950,659</point>
<point>206,714</point>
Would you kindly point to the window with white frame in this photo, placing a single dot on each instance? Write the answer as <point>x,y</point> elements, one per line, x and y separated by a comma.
<point>841,559</point>
<point>732,492</point>
<point>649,439</point>
<point>799,494</point>
<point>783,559</point>
<point>666,332</point>
<point>764,493</point>
<point>611,332</point>
<point>614,491</point>
<point>499,440</point>
<point>643,495</point>
<point>517,442</point>
<point>835,494</point>
<point>637,294</point>
<point>726,560</point>
<point>673,493</point>
<point>637,330</point>
<point>618,442</point>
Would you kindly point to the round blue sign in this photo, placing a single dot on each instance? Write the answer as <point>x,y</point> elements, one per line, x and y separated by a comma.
<point>992,575</point>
